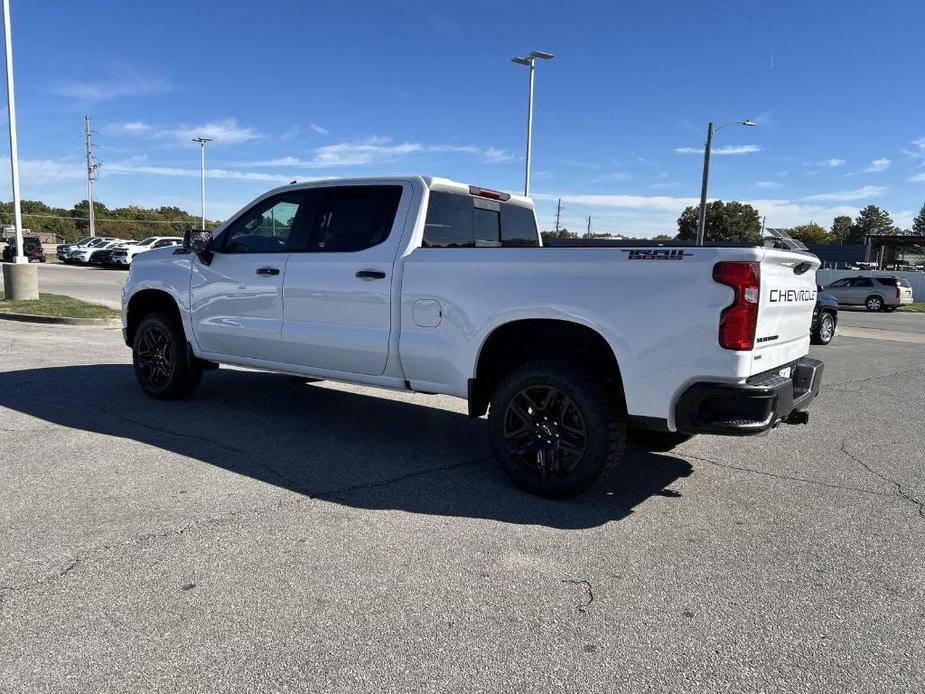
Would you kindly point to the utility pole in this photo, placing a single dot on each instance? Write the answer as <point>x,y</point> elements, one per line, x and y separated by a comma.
<point>558,214</point>
<point>702,217</point>
<point>202,175</point>
<point>589,226</point>
<point>91,172</point>
<point>14,150</point>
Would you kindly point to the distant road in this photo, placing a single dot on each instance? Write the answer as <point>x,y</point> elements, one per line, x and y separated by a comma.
<point>97,285</point>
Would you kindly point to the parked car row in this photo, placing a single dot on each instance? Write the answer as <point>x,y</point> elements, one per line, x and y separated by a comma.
<point>31,248</point>
<point>876,293</point>
<point>111,252</point>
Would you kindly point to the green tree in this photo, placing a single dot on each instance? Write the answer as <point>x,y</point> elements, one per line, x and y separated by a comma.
<point>810,233</point>
<point>841,229</point>
<point>563,233</point>
<point>726,221</point>
<point>918,224</point>
<point>870,220</point>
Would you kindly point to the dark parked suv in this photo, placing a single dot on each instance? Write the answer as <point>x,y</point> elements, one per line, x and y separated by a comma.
<point>31,247</point>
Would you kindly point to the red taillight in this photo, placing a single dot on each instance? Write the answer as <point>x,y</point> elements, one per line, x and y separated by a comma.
<point>739,320</point>
<point>488,193</point>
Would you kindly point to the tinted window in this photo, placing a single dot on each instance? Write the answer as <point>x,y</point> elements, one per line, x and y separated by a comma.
<point>903,282</point>
<point>462,221</point>
<point>840,283</point>
<point>265,228</point>
<point>352,218</point>
<point>862,282</point>
<point>518,226</point>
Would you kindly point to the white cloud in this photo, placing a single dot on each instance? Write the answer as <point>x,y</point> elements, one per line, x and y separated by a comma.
<point>729,149</point>
<point>129,128</point>
<point>848,195</point>
<point>639,214</point>
<point>225,131</point>
<point>129,168</point>
<point>826,163</point>
<point>918,178</point>
<point>377,150</point>
<point>114,89</point>
<point>878,165</point>
<point>615,176</point>
<point>319,129</point>
<point>768,184</point>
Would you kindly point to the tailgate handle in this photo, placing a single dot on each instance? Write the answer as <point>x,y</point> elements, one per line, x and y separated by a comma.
<point>371,275</point>
<point>801,268</point>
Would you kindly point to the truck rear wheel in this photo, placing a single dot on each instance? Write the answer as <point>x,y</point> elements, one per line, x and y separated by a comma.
<point>555,428</point>
<point>159,355</point>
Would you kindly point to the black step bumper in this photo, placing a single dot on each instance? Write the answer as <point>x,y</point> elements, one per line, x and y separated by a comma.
<point>761,403</point>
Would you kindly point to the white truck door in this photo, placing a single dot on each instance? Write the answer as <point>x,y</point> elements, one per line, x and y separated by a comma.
<point>338,286</point>
<point>236,301</point>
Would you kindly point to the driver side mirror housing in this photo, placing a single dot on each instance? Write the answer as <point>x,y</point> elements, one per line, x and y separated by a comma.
<point>199,241</point>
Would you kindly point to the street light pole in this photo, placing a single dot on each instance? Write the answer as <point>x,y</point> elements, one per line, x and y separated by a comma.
<point>707,149</point>
<point>530,61</point>
<point>14,150</point>
<point>702,217</point>
<point>202,175</point>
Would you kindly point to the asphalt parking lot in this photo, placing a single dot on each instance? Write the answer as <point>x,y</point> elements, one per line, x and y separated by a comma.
<point>272,535</point>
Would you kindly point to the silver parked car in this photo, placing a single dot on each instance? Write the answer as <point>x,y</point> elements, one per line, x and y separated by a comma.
<point>877,293</point>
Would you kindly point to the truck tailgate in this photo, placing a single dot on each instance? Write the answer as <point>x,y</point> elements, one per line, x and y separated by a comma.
<point>785,309</point>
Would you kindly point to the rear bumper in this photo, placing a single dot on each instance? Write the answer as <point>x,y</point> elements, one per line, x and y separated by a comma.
<point>753,407</point>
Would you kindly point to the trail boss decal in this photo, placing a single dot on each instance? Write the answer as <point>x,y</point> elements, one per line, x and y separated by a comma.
<point>655,254</point>
<point>791,296</point>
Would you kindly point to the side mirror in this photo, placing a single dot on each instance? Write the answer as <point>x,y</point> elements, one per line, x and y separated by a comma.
<point>199,241</point>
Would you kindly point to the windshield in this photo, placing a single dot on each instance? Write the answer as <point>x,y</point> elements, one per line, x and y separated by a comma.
<point>148,241</point>
<point>97,242</point>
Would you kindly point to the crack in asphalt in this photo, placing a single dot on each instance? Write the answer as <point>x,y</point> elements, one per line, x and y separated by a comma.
<point>582,607</point>
<point>249,455</point>
<point>791,478</point>
<point>838,386</point>
<point>254,511</point>
<point>39,582</point>
<point>899,488</point>
<point>395,480</point>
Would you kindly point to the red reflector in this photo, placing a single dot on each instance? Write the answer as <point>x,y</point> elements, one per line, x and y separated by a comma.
<point>739,321</point>
<point>488,193</point>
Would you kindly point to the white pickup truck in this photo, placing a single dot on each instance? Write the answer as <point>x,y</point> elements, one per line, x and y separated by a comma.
<point>428,285</point>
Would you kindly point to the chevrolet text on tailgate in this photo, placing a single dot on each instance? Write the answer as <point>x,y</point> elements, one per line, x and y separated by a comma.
<point>428,285</point>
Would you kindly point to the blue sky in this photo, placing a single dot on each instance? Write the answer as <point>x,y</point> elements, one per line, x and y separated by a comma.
<point>300,90</point>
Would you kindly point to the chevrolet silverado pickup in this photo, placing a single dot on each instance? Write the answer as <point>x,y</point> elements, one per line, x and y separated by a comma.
<point>427,285</point>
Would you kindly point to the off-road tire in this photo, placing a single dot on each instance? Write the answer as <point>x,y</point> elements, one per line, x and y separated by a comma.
<point>177,374</point>
<point>604,420</point>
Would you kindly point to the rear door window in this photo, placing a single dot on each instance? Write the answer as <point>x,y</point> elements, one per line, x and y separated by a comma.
<point>465,221</point>
<point>347,219</point>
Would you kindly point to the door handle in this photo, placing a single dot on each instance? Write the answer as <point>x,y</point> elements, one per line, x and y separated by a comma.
<point>267,271</point>
<point>371,275</point>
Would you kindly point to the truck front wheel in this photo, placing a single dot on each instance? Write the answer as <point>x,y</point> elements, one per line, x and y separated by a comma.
<point>555,428</point>
<point>162,367</point>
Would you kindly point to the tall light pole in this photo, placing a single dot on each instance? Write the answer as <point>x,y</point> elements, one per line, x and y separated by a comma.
<point>14,150</point>
<point>202,175</point>
<point>702,217</point>
<point>530,61</point>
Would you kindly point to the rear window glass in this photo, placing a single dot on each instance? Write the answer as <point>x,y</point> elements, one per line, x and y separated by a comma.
<point>887,281</point>
<point>903,282</point>
<point>463,221</point>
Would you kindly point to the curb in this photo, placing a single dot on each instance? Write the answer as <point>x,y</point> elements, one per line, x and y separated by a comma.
<point>60,320</point>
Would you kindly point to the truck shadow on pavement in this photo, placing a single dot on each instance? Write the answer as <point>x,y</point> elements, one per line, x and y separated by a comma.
<point>375,451</point>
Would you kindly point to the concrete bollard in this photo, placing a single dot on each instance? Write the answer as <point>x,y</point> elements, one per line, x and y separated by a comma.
<point>20,281</point>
